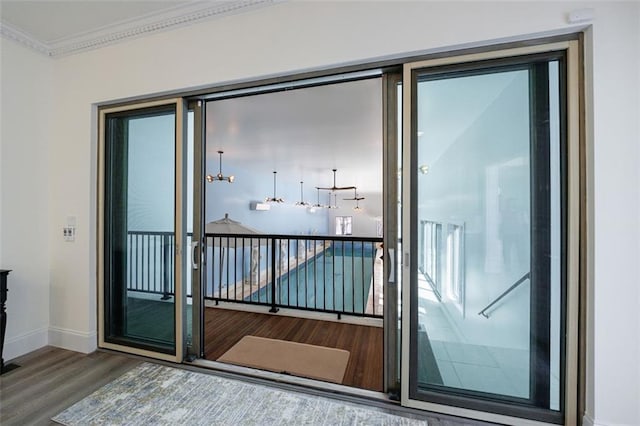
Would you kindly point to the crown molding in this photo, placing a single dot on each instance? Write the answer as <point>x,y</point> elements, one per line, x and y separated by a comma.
<point>167,19</point>
<point>23,38</point>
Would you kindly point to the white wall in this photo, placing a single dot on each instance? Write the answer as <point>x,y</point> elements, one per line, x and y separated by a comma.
<point>290,37</point>
<point>235,199</point>
<point>364,222</point>
<point>24,193</point>
<point>616,149</point>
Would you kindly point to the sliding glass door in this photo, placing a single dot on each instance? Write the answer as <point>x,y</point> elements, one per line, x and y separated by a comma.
<point>485,225</point>
<point>480,219</point>
<point>141,262</point>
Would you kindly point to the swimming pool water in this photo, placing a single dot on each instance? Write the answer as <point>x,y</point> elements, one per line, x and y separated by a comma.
<point>337,280</point>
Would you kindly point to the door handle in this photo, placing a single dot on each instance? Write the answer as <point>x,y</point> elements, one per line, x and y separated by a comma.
<point>392,265</point>
<point>194,261</point>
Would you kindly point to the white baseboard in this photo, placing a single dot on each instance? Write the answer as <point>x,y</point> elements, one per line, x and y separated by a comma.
<point>24,343</point>
<point>73,340</point>
<point>587,420</point>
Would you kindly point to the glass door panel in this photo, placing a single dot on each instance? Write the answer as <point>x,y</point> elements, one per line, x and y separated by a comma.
<point>190,254</point>
<point>392,106</point>
<point>487,238</point>
<point>195,229</point>
<point>479,177</point>
<point>140,265</point>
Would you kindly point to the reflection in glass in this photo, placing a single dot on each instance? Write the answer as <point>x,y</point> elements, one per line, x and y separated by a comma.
<point>139,228</point>
<point>476,170</point>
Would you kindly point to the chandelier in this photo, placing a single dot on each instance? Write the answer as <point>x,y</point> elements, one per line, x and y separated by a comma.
<point>356,199</point>
<point>274,199</point>
<point>302,203</point>
<point>317,205</point>
<point>335,201</point>
<point>220,176</point>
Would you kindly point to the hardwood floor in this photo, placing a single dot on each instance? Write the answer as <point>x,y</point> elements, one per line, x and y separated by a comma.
<point>224,328</point>
<point>51,379</point>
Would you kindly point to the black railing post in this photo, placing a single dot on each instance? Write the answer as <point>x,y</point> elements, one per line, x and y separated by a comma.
<point>166,256</point>
<point>273,309</point>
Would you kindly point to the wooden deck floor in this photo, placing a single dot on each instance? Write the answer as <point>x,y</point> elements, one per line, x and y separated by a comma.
<point>224,328</point>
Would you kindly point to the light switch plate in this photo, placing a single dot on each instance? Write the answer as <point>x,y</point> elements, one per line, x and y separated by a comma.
<point>69,233</point>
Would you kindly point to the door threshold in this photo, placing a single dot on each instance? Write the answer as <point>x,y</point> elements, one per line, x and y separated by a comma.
<point>300,384</point>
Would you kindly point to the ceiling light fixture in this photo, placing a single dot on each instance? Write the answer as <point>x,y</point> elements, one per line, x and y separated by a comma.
<point>219,176</point>
<point>274,199</point>
<point>302,202</point>
<point>334,187</point>
<point>318,205</point>
<point>335,201</point>
<point>357,200</point>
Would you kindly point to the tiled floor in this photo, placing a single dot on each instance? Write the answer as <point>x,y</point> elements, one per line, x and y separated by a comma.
<point>476,373</point>
<point>475,367</point>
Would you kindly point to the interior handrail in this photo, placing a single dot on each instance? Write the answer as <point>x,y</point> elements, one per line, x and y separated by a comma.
<point>507,291</point>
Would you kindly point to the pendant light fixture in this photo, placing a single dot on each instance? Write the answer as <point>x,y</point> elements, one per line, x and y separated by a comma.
<point>335,201</point>
<point>274,199</point>
<point>357,200</point>
<point>220,176</point>
<point>302,202</point>
<point>317,205</point>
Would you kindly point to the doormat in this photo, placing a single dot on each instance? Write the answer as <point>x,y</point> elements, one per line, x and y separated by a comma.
<point>152,394</point>
<point>281,356</point>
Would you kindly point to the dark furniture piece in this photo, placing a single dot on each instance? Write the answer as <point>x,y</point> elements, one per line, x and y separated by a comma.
<point>3,319</point>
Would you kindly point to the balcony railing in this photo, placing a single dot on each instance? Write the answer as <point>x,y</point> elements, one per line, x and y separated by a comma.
<point>151,262</point>
<point>324,274</point>
<point>315,273</point>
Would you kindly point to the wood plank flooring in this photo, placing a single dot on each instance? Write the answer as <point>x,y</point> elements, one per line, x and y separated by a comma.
<point>224,328</point>
<point>52,379</point>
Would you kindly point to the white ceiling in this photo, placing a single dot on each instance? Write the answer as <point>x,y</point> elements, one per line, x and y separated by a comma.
<point>51,21</point>
<point>64,27</point>
<point>302,134</point>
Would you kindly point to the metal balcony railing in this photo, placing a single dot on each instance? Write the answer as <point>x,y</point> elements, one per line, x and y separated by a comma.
<point>315,273</point>
<point>150,262</point>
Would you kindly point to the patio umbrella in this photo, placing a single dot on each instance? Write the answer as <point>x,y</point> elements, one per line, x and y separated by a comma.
<point>227,225</point>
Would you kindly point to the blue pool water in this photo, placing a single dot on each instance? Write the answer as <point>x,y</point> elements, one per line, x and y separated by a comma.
<point>339,279</point>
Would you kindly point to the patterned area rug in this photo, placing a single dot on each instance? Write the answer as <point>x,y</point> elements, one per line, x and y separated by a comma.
<point>152,394</point>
